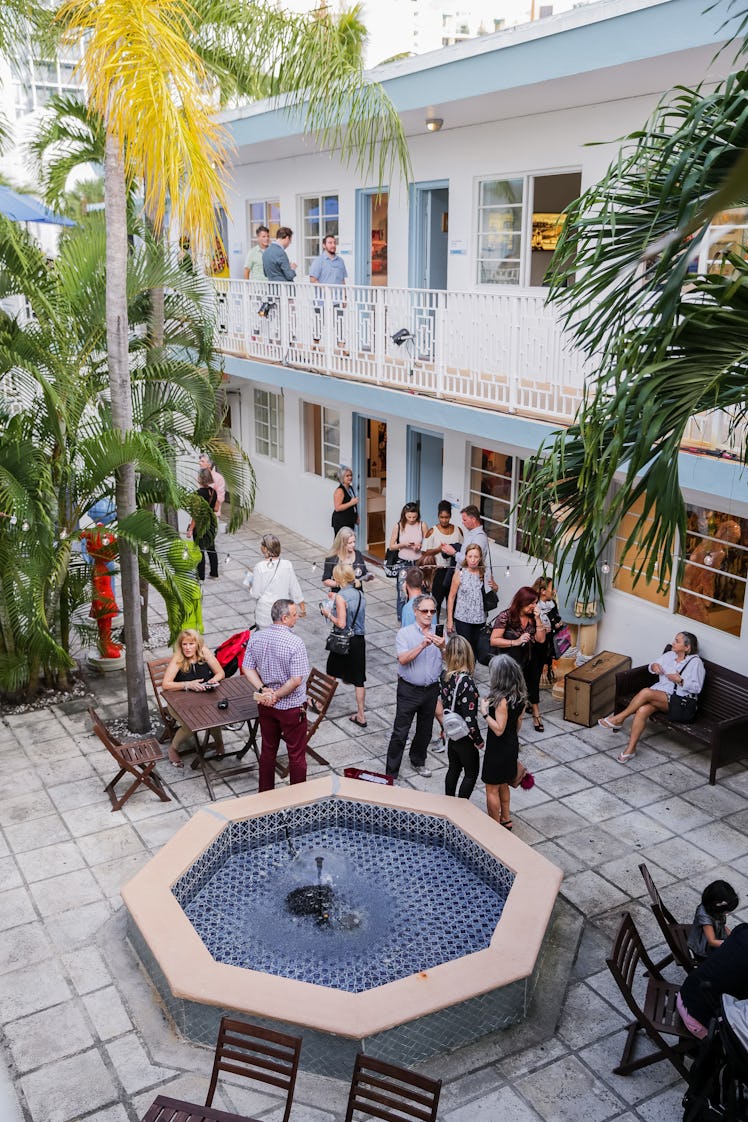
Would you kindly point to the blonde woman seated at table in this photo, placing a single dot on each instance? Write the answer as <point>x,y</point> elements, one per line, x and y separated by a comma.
<point>193,668</point>
<point>680,671</point>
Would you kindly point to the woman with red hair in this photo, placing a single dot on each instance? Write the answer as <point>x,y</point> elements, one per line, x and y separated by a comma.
<point>515,631</point>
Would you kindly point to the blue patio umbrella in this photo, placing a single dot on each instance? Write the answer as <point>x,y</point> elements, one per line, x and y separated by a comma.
<point>25,208</point>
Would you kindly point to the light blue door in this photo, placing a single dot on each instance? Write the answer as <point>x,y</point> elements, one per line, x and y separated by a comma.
<point>424,471</point>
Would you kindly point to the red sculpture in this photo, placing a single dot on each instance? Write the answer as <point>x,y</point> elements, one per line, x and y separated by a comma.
<point>102,548</point>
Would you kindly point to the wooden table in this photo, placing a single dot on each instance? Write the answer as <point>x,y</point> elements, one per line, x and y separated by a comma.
<point>198,711</point>
<point>164,1109</point>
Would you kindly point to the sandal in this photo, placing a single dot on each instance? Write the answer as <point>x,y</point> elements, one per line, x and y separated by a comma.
<point>606,723</point>
<point>175,763</point>
<point>355,721</point>
<point>538,722</point>
<point>507,824</point>
<point>625,757</point>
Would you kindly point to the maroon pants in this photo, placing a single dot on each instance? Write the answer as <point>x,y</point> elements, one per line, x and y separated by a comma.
<point>290,725</point>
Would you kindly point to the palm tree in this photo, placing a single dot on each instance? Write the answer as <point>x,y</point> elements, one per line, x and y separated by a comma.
<point>59,452</point>
<point>667,344</point>
<point>151,71</point>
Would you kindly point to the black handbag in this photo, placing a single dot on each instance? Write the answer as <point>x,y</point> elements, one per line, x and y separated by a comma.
<point>490,598</point>
<point>682,708</point>
<point>484,652</point>
<point>392,563</point>
<point>339,639</point>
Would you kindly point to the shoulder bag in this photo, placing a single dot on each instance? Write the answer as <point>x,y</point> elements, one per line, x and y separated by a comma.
<point>683,707</point>
<point>455,726</point>
<point>339,639</point>
<point>561,641</point>
<point>392,562</point>
<point>490,598</point>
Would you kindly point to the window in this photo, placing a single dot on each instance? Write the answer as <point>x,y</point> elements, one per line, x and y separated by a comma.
<point>269,424</point>
<point>321,440</point>
<point>728,233</point>
<point>496,483</point>
<point>712,570</point>
<point>265,212</point>
<point>320,215</point>
<point>515,219</point>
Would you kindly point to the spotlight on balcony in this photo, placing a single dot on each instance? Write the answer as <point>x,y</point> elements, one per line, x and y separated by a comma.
<point>400,336</point>
<point>266,308</point>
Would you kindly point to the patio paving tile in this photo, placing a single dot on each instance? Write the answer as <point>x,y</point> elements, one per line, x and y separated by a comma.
<point>48,1036</point>
<point>567,1091</point>
<point>62,1091</point>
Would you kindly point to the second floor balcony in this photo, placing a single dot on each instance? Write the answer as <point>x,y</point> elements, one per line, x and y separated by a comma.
<point>498,351</point>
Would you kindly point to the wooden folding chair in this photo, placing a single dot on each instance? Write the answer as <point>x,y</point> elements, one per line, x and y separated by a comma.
<point>657,1014</point>
<point>136,757</point>
<point>256,1053</point>
<point>156,670</point>
<point>320,689</point>
<point>382,1090</point>
<point>676,934</point>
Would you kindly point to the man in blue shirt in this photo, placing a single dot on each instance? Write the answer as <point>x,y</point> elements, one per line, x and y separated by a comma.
<point>275,259</point>
<point>419,667</point>
<point>328,268</point>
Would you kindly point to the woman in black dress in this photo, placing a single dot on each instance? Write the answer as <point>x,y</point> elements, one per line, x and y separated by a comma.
<point>520,632</point>
<point>344,501</point>
<point>459,691</point>
<point>207,542</point>
<point>503,709</point>
<point>347,609</point>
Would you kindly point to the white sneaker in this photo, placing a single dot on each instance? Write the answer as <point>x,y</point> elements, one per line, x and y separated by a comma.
<point>421,769</point>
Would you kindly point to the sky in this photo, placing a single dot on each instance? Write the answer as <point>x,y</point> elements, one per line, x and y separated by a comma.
<point>390,22</point>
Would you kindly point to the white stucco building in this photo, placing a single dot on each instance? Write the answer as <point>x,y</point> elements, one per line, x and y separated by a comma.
<point>457,259</point>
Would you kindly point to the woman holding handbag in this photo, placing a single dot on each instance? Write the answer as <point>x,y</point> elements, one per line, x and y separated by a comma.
<point>207,542</point>
<point>459,696</point>
<point>503,709</point>
<point>273,579</point>
<point>518,631</point>
<point>347,613</point>
<point>681,676</point>
<point>407,540</point>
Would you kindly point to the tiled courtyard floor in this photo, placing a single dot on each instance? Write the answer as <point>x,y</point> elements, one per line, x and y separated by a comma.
<point>83,1036</point>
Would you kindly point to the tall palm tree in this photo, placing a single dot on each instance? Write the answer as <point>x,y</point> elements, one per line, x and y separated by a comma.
<point>152,70</point>
<point>667,344</point>
<point>59,452</point>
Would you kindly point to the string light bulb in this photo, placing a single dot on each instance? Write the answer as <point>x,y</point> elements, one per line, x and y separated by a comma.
<point>25,526</point>
<point>507,572</point>
<point>605,568</point>
<point>13,520</point>
<point>146,547</point>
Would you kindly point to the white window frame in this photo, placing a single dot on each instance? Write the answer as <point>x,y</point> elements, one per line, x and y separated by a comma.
<point>321,453</point>
<point>268,424</point>
<point>266,220</point>
<point>508,533</point>
<point>309,250</point>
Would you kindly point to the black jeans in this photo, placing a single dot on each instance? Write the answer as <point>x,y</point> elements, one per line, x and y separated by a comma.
<point>469,631</point>
<point>207,545</point>
<point>418,702</point>
<point>462,756</point>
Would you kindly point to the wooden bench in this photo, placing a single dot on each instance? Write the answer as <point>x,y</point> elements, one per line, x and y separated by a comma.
<point>721,723</point>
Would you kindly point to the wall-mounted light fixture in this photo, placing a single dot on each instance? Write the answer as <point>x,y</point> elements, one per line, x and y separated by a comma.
<point>401,336</point>
<point>433,124</point>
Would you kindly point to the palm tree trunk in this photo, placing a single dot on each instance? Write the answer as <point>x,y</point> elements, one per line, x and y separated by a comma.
<point>119,383</point>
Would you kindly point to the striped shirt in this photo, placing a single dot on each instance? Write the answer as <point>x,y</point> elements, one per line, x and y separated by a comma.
<point>277,655</point>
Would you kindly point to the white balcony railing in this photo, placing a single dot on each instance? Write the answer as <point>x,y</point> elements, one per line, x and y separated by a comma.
<point>498,351</point>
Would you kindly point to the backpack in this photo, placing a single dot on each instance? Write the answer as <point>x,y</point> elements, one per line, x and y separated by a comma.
<point>230,653</point>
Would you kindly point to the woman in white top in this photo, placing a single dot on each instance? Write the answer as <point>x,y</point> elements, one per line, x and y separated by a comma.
<point>443,533</point>
<point>680,671</point>
<point>273,579</point>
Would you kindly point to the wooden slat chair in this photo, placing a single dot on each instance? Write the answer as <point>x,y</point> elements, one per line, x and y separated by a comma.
<point>256,1053</point>
<point>320,689</point>
<point>657,1015</point>
<point>156,670</point>
<point>137,758</point>
<point>676,934</point>
<point>382,1090</point>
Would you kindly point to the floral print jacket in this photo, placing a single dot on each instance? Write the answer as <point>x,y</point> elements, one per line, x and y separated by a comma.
<point>466,703</point>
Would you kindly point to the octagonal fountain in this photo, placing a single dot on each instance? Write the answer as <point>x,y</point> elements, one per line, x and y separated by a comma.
<point>368,917</point>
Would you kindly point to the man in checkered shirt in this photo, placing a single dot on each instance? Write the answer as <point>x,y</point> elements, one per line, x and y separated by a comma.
<point>276,663</point>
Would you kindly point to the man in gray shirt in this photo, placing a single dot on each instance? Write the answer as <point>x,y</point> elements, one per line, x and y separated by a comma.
<point>419,659</point>
<point>474,535</point>
<point>275,259</point>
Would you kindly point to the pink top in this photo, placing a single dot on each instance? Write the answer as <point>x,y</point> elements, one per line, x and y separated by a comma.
<point>410,538</point>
